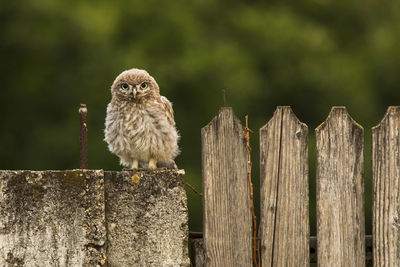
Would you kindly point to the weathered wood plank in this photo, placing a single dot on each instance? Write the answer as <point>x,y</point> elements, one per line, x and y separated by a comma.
<point>386,180</point>
<point>284,223</point>
<point>340,185</point>
<point>226,201</point>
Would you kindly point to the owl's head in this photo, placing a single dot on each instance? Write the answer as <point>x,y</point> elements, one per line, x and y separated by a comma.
<point>134,85</point>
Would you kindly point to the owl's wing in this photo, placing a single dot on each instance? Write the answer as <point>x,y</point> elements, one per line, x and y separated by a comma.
<point>168,110</point>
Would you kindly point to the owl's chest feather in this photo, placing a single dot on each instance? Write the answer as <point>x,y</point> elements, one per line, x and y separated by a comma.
<point>138,123</point>
<point>137,128</point>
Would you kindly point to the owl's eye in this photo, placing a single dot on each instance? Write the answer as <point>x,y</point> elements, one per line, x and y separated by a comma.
<point>143,85</point>
<point>125,86</point>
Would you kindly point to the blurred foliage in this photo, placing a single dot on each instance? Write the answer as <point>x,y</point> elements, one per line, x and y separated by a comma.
<point>310,54</point>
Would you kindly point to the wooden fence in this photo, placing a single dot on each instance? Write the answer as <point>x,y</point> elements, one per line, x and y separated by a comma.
<point>284,216</point>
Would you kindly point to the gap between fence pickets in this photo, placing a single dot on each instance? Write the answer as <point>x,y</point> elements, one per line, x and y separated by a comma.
<point>256,252</point>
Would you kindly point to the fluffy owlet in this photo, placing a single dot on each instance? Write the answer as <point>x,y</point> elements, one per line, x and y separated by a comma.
<point>140,126</point>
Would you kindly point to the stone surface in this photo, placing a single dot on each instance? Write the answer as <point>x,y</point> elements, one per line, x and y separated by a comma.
<point>61,218</point>
<point>146,219</point>
<point>52,218</point>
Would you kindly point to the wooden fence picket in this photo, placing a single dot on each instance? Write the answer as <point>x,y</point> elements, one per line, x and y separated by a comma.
<point>284,223</point>
<point>340,206</point>
<point>386,180</point>
<point>226,202</point>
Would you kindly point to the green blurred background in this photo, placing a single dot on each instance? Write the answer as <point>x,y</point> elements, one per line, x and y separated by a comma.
<point>309,54</point>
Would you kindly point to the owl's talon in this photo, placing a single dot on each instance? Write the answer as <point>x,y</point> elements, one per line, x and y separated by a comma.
<point>135,164</point>
<point>153,164</point>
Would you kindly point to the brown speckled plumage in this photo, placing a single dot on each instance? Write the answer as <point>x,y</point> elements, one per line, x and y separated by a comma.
<point>140,124</point>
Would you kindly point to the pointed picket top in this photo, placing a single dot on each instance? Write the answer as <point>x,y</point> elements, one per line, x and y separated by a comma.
<point>340,186</point>
<point>386,182</point>
<point>284,225</point>
<point>278,114</point>
<point>338,111</point>
<point>224,113</point>
<point>391,112</point>
<point>227,224</point>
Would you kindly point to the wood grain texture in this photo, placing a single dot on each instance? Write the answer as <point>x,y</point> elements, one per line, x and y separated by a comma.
<point>340,185</point>
<point>198,251</point>
<point>386,180</point>
<point>284,223</point>
<point>226,202</point>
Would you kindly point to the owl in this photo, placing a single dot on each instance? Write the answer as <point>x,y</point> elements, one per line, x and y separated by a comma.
<point>140,126</point>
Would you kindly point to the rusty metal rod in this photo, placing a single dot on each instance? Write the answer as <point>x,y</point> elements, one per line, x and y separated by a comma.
<point>83,137</point>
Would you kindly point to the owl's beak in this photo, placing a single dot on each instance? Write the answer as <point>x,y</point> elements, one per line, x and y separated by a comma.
<point>134,92</point>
